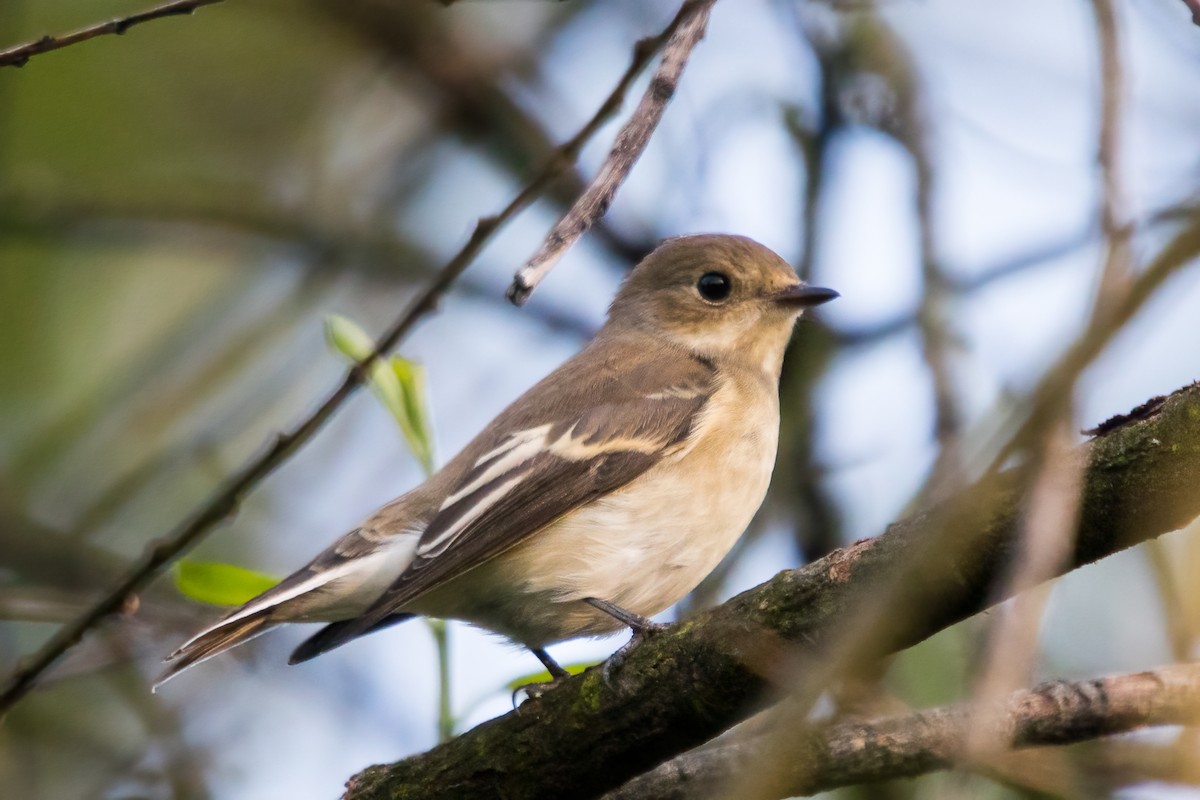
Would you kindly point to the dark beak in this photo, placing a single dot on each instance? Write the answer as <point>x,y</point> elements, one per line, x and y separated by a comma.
<point>805,296</point>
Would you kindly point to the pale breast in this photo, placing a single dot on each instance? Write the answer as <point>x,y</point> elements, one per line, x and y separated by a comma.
<point>647,545</point>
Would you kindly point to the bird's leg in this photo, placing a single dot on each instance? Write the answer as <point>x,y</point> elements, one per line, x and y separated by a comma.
<point>556,672</point>
<point>539,688</point>
<point>643,628</point>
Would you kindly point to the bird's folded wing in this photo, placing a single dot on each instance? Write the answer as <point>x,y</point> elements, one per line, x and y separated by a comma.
<point>536,473</point>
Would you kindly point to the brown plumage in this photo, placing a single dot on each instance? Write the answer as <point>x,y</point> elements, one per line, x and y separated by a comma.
<point>624,475</point>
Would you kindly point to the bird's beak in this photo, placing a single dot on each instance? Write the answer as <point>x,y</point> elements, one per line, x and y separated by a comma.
<point>804,296</point>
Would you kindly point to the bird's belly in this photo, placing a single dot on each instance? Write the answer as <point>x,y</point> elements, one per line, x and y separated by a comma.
<point>643,547</point>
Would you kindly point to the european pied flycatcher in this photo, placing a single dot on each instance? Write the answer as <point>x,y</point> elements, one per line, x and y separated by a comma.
<point>600,497</point>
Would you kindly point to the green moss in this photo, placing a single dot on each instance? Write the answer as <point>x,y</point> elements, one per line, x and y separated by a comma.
<point>590,697</point>
<point>698,680</point>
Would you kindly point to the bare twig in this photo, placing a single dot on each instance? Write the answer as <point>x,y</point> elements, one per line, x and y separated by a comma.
<point>1120,291</point>
<point>1047,535</point>
<point>687,30</point>
<point>19,55</point>
<point>1054,496</point>
<point>981,279</point>
<point>798,480</point>
<point>1115,219</point>
<point>1054,713</point>
<point>225,500</point>
<point>891,59</point>
<point>1194,7</point>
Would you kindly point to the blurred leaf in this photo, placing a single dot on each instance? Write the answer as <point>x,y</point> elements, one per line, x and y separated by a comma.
<point>546,677</point>
<point>413,414</point>
<point>398,383</point>
<point>220,584</point>
<point>351,341</point>
<point>347,338</point>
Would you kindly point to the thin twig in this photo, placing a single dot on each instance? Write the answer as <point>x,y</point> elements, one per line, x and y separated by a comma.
<point>912,129</point>
<point>1046,538</point>
<point>1047,533</point>
<point>1120,290</point>
<point>1115,219</point>
<point>688,28</point>
<point>904,746</point>
<point>18,56</point>
<point>1194,7</point>
<point>224,502</point>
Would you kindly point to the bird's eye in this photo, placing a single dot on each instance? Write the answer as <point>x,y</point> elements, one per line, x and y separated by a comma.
<point>714,286</point>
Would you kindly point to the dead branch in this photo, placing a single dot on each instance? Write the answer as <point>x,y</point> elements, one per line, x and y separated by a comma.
<point>687,30</point>
<point>1194,7</point>
<point>904,746</point>
<point>19,55</point>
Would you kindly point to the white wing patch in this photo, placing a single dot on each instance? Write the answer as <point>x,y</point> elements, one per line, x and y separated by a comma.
<point>677,393</point>
<point>446,538</point>
<point>519,448</point>
<point>518,451</point>
<point>573,449</point>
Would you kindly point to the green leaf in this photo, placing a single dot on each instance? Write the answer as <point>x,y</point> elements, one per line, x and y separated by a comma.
<point>347,338</point>
<point>545,677</point>
<point>220,584</point>
<point>414,416</point>
<point>351,341</point>
<point>397,382</point>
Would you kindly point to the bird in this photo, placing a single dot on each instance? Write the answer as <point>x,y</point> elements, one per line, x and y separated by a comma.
<point>596,500</point>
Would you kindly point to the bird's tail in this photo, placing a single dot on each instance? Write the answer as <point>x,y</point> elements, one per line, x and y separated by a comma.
<point>337,585</point>
<point>229,632</point>
<point>329,637</point>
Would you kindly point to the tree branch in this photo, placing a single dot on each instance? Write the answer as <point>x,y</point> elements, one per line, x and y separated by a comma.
<point>225,500</point>
<point>19,56</point>
<point>904,746</point>
<point>687,30</point>
<point>1115,219</point>
<point>1194,7</point>
<point>682,688</point>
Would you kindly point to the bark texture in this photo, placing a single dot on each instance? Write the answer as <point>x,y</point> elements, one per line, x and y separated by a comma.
<point>685,686</point>
<point>907,745</point>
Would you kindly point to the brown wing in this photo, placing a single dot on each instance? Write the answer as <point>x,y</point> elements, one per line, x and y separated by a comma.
<point>525,476</point>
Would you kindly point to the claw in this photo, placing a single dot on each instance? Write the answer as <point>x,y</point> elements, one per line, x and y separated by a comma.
<point>644,631</point>
<point>537,689</point>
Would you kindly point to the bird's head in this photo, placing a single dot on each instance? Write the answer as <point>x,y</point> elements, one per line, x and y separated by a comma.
<point>718,296</point>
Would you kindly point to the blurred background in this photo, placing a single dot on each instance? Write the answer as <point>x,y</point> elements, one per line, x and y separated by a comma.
<point>180,209</point>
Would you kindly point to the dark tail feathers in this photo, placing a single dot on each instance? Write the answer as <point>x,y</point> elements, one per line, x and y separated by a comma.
<point>325,639</point>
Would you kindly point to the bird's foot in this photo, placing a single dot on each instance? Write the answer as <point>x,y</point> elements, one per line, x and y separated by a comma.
<point>647,630</point>
<point>643,628</point>
<point>536,689</point>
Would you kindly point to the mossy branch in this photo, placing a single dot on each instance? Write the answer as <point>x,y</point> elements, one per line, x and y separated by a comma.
<point>704,675</point>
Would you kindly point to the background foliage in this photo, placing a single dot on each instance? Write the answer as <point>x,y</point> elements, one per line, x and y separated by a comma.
<point>182,207</point>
